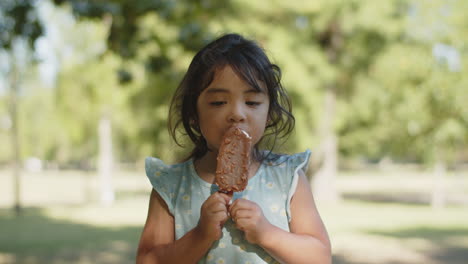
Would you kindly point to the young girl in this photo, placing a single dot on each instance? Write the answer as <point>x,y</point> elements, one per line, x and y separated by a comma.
<point>231,82</point>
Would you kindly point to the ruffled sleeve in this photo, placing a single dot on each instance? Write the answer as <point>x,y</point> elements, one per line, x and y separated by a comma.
<point>162,180</point>
<point>295,162</point>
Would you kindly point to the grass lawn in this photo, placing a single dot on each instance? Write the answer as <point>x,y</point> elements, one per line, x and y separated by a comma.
<point>378,221</point>
<point>366,232</point>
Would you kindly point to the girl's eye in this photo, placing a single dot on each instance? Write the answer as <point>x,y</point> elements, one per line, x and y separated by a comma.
<point>217,103</point>
<point>252,103</point>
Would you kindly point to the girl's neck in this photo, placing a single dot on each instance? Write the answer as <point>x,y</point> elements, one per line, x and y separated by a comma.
<point>206,164</point>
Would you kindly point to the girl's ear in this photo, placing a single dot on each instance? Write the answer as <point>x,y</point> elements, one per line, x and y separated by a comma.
<point>268,122</point>
<point>194,124</point>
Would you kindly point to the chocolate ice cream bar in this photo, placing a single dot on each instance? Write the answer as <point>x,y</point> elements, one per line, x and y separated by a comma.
<point>232,171</point>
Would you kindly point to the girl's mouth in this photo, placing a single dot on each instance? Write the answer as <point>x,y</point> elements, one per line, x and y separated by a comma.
<point>242,130</point>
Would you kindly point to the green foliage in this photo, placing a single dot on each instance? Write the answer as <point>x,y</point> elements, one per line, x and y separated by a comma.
<point>426,121</point>
<point>189,16</point>
<point>18,19</point>
<point>156,40</point>
<point>395,97</point>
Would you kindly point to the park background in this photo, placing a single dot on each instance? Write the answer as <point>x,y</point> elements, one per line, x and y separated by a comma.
<point>380,96</point>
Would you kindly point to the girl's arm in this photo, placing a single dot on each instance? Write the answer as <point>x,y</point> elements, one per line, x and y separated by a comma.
<point>308,240</point>
<point>158,244</point>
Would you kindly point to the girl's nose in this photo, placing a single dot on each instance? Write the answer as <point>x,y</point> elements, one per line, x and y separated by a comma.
<point>236,114</point>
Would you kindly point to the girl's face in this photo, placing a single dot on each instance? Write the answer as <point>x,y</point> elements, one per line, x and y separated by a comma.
<point>229,101</point>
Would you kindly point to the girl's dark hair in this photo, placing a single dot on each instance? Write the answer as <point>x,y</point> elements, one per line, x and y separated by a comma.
<point>252,65</point>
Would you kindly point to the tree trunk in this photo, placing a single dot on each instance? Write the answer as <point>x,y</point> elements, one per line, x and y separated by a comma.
<point>323,184</point>
<point>105,163</point>
<point>15,139</point>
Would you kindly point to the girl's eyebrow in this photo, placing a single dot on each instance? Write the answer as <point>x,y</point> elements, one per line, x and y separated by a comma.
<point>216,90</point>
<point>222,90</point>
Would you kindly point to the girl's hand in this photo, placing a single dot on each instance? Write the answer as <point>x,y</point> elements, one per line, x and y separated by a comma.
<point>248,217</point>
<point>213,215</point>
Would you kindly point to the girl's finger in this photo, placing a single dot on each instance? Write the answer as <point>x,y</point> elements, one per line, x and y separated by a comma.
<point>239,204</point>
<point>226,197</point>
<point>239,213</point>
<point>236,203</point>
<point>220,216</point>
<point>217,208</point>
<point>216,198</point>
<point>243,214</point>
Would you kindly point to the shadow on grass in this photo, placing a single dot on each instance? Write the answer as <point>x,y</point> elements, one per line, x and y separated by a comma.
<point>403,198</point>
<point>35,238</point>
<point>445,246</point>
<point>341,259</point>
<point>416,198</point>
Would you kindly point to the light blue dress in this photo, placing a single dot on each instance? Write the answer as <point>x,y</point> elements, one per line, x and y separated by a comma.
<point>271,188</point>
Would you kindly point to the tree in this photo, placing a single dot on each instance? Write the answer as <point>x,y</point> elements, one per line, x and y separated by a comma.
<point>144,48</point>
<point>421,80</point>
<point>20,28</point>
<point>156,40</point>
<point>345,64</point>
<point>88,95</point>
